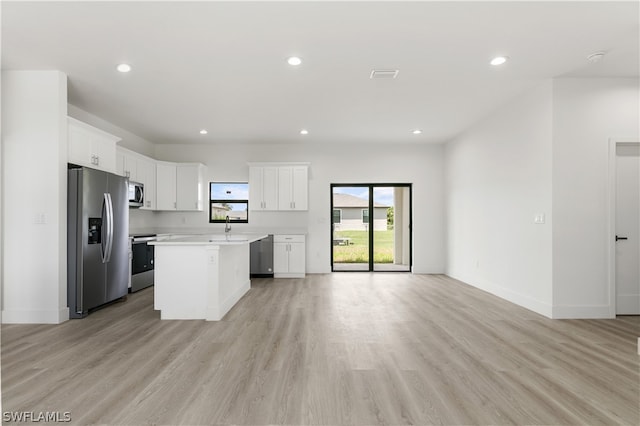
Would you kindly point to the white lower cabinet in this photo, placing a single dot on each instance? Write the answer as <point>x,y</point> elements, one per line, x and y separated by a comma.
<point>289,256</point>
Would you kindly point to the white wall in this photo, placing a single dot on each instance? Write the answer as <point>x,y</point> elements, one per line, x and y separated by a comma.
<point>128,139</point>
<point>34,109</point>
<point>545,152</point>
<point>587,113</point>
<point>498,178</point>
<point>421,165</point>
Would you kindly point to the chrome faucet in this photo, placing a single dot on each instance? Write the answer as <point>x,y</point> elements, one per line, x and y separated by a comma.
<point>227,226</point>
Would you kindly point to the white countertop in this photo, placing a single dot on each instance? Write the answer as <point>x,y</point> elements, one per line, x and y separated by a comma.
<point>236,229</point>
<point>207,239</point>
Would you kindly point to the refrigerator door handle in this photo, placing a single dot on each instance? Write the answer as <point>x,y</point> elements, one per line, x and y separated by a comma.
<point>109,246</point>
<point>103,229</point>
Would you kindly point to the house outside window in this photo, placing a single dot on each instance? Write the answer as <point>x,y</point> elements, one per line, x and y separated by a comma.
<point>228,199</point>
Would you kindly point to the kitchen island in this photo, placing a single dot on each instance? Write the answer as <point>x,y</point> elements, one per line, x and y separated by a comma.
<point>201,276</point>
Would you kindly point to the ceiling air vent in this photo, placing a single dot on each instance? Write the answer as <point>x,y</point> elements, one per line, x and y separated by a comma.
<point>383,74</point>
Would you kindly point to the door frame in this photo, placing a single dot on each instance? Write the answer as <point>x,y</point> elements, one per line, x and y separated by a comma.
<point>371,186</point>
<point>611,231</point>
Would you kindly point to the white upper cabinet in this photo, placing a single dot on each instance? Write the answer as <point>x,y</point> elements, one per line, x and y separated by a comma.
<point>293,183</point>
<point>127,164</point>
<point>263,188</point>
<point>278,187</point>
<point>141,169</point>
<point>179,186</point>
<point>146,174</point>
<point>190,185</point>
<point>91,147</point>
<point>166,186</point>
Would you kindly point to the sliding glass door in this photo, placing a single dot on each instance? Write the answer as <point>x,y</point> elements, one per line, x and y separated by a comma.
<point>370,227</point>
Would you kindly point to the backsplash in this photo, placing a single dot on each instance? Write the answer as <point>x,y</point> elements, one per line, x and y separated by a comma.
<point>142,219</point>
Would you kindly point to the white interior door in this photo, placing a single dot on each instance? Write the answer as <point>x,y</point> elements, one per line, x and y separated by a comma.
<point>628,229</point>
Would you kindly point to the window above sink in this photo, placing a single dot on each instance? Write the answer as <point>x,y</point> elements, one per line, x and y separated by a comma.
<point>228,199</point>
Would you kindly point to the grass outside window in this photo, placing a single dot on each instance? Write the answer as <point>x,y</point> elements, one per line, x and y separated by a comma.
<point>358,250</point>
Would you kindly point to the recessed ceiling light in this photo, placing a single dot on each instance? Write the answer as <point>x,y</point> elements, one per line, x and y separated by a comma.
<point>304,132</point>
<point>203,132</point>
<point>595,57</point>
<point>383,74</point>
<point>294,60</point>
<point>417,132</point>
<point>499,60</point>
<point>124,67</point>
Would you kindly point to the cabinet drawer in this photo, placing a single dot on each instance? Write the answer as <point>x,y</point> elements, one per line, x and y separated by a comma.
<point>288,238</point>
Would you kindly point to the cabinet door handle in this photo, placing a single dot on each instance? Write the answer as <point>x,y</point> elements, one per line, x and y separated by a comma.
<point>175,205</point>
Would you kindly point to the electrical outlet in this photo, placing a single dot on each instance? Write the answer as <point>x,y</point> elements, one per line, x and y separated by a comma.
<point>539,219</point>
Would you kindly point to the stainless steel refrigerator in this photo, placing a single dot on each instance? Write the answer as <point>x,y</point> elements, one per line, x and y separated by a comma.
<point>97,239</point>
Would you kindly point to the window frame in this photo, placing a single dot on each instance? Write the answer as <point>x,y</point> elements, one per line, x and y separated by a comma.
<point>227,201</point>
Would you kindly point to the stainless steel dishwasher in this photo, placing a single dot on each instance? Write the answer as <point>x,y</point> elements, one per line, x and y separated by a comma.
<point>262,257</point>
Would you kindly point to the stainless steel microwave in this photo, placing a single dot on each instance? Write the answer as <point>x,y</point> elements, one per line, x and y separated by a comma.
<point>136,194</point>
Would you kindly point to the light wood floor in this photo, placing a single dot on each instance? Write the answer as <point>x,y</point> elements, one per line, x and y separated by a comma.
<point>335,349</point>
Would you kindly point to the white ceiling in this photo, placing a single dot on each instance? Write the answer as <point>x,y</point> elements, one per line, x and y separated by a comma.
<point>222,66</point>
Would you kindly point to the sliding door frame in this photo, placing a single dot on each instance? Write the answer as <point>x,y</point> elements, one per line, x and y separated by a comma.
<point>371,187</point>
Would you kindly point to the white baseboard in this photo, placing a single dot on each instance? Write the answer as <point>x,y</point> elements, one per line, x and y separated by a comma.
<point>288,275</point>
<point>582,312</point>
<point>35,317</point>
<point>427,270</point>
<point>519,299</point>
<point>182,313</point>
<point>628,304</point>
